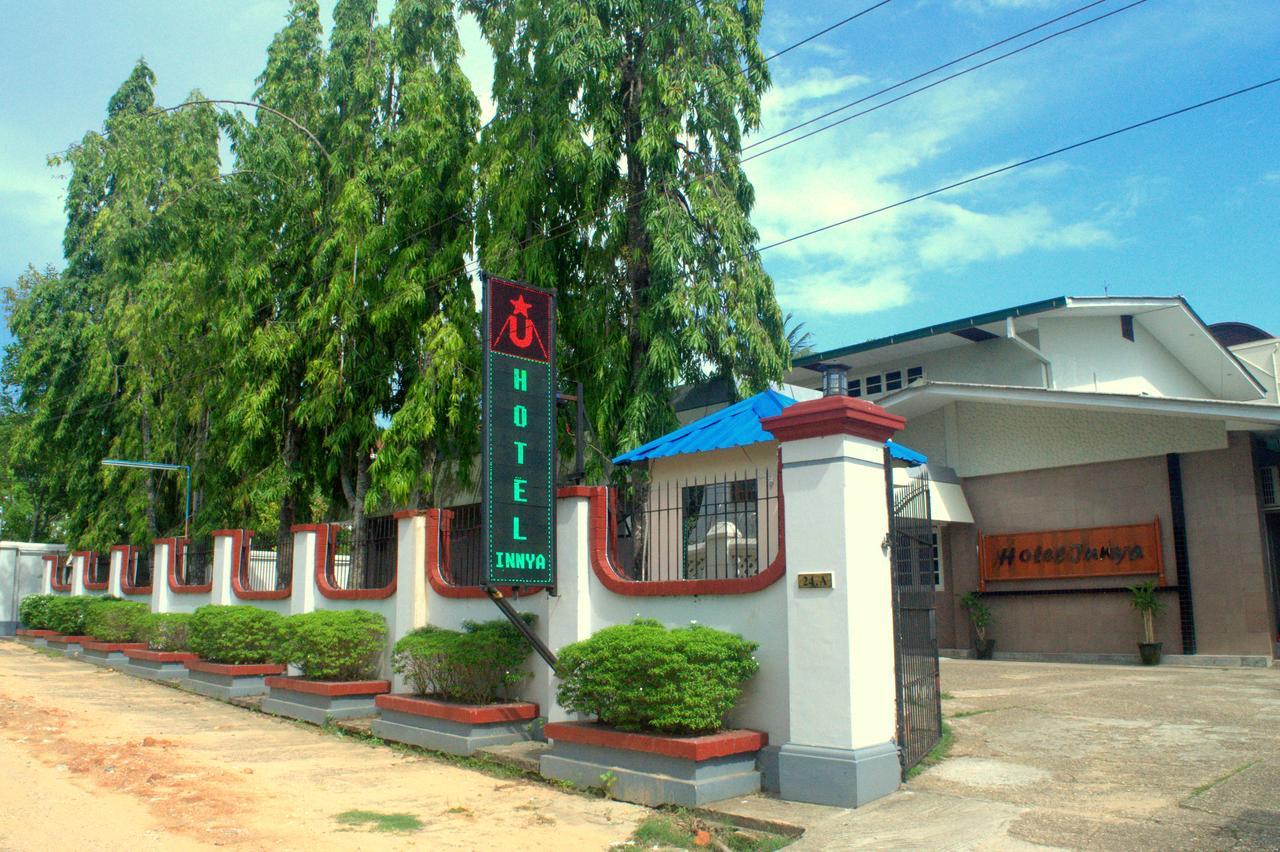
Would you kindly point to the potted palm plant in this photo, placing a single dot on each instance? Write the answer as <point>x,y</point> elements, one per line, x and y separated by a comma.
<point>1144,600</point>
<point>980,618</point>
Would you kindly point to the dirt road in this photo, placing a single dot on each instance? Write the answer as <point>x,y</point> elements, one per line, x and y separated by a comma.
<point>93,759</point>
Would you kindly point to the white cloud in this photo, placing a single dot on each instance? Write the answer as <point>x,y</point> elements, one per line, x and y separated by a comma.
<point>843,293</point>
<point>477,63</point>
<point>882,261</point>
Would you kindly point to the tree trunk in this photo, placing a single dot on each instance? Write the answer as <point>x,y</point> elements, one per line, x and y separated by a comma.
<point>153,498</point>
<point>288,501</point>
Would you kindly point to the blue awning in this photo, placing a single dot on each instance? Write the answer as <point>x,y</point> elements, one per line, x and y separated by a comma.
<point>737,425</point>
<point>905,454</point>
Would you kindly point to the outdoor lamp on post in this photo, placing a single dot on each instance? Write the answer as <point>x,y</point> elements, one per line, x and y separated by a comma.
<point>186,468</point>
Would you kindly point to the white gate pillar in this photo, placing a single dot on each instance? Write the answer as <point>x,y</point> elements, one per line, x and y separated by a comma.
<point>840,749</point>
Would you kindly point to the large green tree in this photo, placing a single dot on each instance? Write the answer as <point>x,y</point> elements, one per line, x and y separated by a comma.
<point>636,206</point>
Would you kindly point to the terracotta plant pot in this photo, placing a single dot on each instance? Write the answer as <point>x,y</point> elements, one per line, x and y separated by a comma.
<point>984,649</point>
<point>1150,652</point>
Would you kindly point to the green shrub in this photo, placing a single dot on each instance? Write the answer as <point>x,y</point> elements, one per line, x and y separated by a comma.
<point>642,676</point>
<point>334,644</point>
<point>167,631</point>
<point>110,620</point>
<point>235,634</point>
<point>34,611</point>
<point>66,613</point>
<point>474,665</point>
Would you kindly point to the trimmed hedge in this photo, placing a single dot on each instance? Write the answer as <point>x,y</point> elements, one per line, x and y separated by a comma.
<point>34,611</point>
<point>643,676</point>
<point>109,620</point>
<point>474,665</point>
<point>334,644</point>
<point>65,614</point>
<point>167,631</point>
<point>235,634</point>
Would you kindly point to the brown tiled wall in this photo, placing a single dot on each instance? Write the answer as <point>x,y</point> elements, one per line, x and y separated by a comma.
<point>1224,540</point>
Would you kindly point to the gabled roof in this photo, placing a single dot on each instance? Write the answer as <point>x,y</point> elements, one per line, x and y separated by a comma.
<point>738,425</point>
<point>927,396</point>
<point>1169,319</point>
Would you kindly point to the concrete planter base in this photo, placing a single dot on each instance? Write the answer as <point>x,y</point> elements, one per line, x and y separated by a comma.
<point>655,769</point>
<point>157,665</point>
<point>319,701</point>
<point>35,638</point>
<point>109,653</point>
<point>450,727</point>
<point>225,681</point>
<point>69,645</point>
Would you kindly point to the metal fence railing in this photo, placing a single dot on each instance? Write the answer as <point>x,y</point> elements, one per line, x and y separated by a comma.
<point>267,570</point>
<point>370,564</point>
<point>98,569</point>
<point>194,562</point>
<point>62,573</point>
<point>139,569</point>
<point>703,529</point>
<point>462,537</point>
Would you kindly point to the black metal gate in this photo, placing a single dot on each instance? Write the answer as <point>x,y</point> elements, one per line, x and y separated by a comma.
<point>912,547</point>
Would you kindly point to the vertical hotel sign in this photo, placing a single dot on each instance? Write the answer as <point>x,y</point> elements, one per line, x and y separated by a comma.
<point>519,433</point>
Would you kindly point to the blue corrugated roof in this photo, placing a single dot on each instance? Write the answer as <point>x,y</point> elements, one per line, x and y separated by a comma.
<point>906,454</point>
<point>737,425</point>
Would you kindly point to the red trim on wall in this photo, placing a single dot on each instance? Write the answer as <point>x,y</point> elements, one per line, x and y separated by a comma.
<point>323,533</point>
<point>833,415</point>
<point>602,538</point>
<point>87,558</point>
<point>436,556</point>
<point>171,570</point>
<point>52,559</point>
<point>467,714</point>
<point>127,587</point>
<point>242,543</point>
<point>720,744</point>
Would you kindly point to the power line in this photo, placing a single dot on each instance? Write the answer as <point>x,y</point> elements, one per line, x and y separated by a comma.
<point>924,74</point>
<point>1011,166</point>
<point>926,87</point>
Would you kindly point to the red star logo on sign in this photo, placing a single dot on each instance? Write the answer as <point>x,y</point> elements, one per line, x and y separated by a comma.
<point>520,306</point>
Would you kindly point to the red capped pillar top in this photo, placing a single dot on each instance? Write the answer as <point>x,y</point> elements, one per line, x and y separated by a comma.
<point>834,415</point>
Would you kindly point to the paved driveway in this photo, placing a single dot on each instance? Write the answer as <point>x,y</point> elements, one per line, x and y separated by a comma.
<point>1080,756</point>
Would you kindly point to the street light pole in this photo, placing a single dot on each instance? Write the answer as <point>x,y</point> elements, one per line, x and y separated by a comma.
<point>186,468</point>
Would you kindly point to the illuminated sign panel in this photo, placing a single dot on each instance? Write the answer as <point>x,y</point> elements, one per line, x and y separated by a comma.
<point>519,434</point>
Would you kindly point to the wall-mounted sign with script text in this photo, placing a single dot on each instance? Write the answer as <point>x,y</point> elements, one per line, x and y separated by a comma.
<point>1067,554</point>
<point>519,434</point>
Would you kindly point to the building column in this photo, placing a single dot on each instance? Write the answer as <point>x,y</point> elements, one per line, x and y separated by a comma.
<point>841,747</point>
<point>309,542</point>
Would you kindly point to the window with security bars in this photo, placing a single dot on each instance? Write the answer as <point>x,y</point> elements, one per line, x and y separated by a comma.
<point>264,568</point>
<point>62,571</point>
<point>719,529</point>
<point>139,569</point>
<point>194,562</point>
<point>462,545</point>
<point>98,569</point>
<point>369,564</point>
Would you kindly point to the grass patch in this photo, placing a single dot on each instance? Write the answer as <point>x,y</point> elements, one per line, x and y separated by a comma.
<point>1204,788</point>
<point>380,822</point>
<point>937,754</point>
<point>947,696</point>
<point>679,829</point>
<point>965,714</point>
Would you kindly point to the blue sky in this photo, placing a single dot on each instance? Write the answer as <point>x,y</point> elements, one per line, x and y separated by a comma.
<point>1190,206</point>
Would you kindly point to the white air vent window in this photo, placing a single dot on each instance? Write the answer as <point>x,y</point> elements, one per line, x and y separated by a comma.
<point>1270,487</point>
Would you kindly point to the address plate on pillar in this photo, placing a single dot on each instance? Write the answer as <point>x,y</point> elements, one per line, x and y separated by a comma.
<point>814,581</point>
